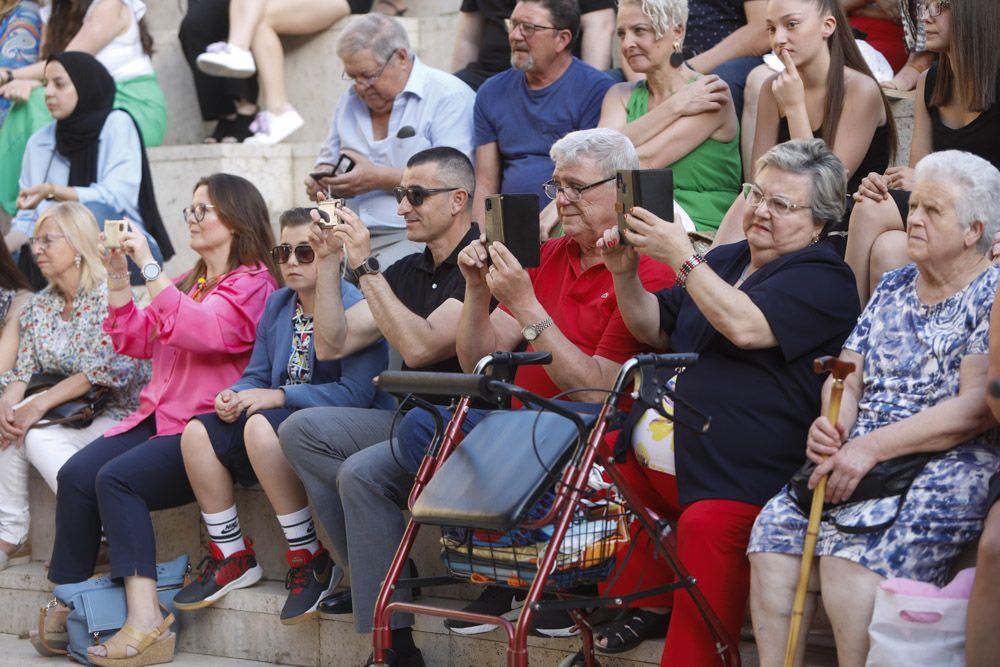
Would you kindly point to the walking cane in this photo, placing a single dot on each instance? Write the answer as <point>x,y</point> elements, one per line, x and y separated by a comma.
<point>839,370</point>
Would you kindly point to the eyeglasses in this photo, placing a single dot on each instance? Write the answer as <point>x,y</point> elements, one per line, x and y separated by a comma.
<point>304,253</point>
<point>571,192</point>
<point>366,80</point>
<point>932,10</point>
<point>527,29</point>
<point>415,194</point>
<point>198,211</point>
<point>44,241</point>
<point>776,204</point>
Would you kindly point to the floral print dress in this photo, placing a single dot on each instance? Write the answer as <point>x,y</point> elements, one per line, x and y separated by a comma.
<point>912,353</point>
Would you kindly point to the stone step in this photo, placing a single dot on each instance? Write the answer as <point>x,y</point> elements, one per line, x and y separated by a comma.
<point>312,75</point>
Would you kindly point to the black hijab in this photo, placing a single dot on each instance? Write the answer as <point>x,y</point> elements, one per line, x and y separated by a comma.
<point>77,136</point>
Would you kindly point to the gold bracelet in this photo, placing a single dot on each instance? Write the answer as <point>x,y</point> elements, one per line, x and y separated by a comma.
<point>118,286</point>
<point>117,276</point>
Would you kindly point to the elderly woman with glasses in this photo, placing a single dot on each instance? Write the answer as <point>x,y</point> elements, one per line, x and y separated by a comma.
<point>757,312</point>
<point>199,331</point>
<point>914,404</point>
<point>239,440</point>
<point>61,336</point>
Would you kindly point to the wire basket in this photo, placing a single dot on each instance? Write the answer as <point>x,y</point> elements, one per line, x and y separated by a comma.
<point>598,531</point>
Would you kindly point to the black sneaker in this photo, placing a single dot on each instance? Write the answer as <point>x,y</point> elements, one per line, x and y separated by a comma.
<point>393,659</point>
<point>218,576</point>
<point>311,577</point>
<point>553,623</point>
<point>495,601</point>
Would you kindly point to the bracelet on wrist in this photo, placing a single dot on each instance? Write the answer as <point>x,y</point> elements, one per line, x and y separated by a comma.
<point>687,267</point>
<point>117,276</point>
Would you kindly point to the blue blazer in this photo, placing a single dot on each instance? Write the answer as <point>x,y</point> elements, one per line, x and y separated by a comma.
<point>344,383</point>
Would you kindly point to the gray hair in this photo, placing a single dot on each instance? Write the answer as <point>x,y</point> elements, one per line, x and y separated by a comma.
<point>382,34</point>
<point>812,158</point>
<point>979,188</point>
<point>609,148</point>
<point>663,14</point>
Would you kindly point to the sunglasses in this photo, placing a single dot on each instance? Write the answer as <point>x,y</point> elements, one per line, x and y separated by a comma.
<point>415,194</point>
<point>304,253</point>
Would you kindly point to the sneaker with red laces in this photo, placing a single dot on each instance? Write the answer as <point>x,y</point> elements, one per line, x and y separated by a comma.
<point>311,577</point>
<point>218,576</point>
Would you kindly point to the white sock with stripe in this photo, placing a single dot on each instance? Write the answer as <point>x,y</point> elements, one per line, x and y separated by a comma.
<point>224,531</point>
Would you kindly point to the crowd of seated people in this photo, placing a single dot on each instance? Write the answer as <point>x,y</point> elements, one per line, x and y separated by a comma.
<point>256,365</point>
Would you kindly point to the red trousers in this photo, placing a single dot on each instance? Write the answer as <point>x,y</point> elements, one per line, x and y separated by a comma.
<point>711,538</point>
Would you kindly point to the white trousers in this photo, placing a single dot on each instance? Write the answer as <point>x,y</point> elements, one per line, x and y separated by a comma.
<point>47,449</point>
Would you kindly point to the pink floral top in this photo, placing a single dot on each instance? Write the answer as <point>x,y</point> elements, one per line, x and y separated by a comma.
<point>50,344</point>
<point>198,347</point>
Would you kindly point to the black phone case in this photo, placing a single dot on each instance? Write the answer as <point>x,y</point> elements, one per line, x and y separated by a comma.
<point>651,189</point>
<point>513,221</point>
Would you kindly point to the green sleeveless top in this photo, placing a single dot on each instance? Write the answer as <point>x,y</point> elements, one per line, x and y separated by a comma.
<point>706,180</point>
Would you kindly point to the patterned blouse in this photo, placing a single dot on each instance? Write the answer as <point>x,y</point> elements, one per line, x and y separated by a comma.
<point>50,344</point>
<point>20,38</point>
<point>6,299</point>
<point>299,371</point>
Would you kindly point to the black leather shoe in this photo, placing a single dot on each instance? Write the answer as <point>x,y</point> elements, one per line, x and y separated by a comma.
<point>336,603</point>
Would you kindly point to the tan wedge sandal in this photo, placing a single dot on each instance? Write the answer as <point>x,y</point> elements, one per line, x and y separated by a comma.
<point>152,648</point>
<point>51,638</point>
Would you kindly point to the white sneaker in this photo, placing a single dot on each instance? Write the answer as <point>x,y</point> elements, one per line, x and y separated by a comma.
<point>271,129</point>
<point>226,60</point>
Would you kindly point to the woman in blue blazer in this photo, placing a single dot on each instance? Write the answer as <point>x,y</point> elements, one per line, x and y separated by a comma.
<point>239,440</point>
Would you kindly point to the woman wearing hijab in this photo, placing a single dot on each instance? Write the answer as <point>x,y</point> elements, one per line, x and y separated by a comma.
<point>92,154</point>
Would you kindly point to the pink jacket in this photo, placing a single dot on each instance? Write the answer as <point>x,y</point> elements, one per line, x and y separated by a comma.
<point>198,347</point>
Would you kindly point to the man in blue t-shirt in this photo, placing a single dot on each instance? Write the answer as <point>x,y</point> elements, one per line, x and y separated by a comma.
<point>546,94</point>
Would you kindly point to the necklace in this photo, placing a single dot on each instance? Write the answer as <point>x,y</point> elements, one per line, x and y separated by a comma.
<point>202,287</point>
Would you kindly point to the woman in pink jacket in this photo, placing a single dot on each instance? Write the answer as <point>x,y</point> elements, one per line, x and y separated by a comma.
<point>199,332</point>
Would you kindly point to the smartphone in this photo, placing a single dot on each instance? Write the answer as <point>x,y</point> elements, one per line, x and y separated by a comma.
<point>328,207</point>
<point>113,232</point>
<point>513,221</point>
<point>651,189</point>
<point>344,165</point>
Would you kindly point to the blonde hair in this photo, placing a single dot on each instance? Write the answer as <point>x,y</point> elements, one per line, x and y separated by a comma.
<point>77,223</point>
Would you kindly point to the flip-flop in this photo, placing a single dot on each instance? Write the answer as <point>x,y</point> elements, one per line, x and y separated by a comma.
<point>396,11</point>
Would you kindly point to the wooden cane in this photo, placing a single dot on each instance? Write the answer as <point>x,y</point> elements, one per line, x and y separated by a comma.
<point>839,370</point>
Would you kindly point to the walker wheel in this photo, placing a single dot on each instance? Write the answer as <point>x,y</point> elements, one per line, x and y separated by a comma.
<point>576,660</point>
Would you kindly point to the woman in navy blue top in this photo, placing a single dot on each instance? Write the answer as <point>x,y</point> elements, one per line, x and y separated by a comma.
<point>239,440</point>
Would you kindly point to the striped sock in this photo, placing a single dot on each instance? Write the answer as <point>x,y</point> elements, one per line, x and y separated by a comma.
<point>224,531</point>
<point>299,530</point>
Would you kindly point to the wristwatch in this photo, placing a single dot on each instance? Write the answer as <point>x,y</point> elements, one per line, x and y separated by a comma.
<point>151,271</point>
<point>533,331</point>
<point>370,265</point>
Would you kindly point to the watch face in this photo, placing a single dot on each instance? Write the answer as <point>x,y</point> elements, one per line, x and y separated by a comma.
<point>151,271</point>
<point>372,265</point>
<point>529,333</point>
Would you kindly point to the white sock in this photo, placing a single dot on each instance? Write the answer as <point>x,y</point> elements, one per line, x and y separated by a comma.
<point>224,531</point>
<point>299,530</point>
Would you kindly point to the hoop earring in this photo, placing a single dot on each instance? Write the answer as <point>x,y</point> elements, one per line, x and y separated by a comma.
<point>77,260</point>
<point>677,57</point>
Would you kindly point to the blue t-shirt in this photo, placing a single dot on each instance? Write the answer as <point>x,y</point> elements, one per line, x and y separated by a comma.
<point>525,123</point>
<point>761,401</point>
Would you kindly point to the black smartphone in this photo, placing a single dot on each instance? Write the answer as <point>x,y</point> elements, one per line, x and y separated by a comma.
<point>651,189</point>
<point>344,165</point>
<point>513,221</point>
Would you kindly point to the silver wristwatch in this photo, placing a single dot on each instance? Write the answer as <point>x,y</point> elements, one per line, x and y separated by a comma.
<point>151,271</point>
<point>533,331</point>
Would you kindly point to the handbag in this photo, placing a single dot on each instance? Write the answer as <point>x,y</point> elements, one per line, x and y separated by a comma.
<point>97,607</point>
<point>74,413</point>
<point>885,480</point>
<point>915,623</point>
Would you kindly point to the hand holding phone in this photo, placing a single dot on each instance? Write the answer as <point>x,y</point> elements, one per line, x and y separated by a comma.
<point>113,230</point>
<point>329,207</point>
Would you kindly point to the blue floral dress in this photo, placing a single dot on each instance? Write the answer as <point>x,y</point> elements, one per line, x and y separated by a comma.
<point>912,353</point>
<point>20,38</point>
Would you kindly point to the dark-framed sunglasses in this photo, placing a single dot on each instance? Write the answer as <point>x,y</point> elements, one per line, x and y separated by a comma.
<point>304,253</point>
<point>415,194</point>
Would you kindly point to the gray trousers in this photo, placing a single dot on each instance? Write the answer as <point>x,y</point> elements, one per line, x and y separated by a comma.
<point>344,458</point>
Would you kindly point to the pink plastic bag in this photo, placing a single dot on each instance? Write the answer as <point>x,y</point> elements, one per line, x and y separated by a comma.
<point>915,623</point>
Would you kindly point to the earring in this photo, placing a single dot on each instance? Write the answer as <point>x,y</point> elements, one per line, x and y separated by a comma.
<point>77,260</point>
<point>677,57</point>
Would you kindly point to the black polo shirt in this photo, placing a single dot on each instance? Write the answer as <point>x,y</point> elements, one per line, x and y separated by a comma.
<point>422,287</point>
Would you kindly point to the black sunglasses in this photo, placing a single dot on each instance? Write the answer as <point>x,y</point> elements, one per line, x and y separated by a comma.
<point>304,253</point>
<point>415,194</point>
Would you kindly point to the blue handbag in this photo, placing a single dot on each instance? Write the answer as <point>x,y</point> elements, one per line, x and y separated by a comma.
<point>97,608</point>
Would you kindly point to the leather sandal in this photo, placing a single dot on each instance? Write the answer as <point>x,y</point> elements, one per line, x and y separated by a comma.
<point>50,639</point>
<point>152,648</point>
<point>396,10</point>
<point>631,629</point>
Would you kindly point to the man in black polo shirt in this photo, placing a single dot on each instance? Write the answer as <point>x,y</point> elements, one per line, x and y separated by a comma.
<point>416,306</point>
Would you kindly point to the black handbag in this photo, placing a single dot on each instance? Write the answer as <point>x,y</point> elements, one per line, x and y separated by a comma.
<point>75,413</point>
<point>886,479</point>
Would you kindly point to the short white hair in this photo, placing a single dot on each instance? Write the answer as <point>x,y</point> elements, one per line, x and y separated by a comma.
<point>381,34</point>
<point>978,183</point>
<point>609,148</point>
<point>663,14</point>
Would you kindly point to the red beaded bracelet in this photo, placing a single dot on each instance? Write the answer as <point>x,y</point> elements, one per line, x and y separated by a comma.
<point>687,267</point>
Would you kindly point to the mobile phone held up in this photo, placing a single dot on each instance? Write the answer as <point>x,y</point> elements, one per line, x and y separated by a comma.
<point>513,221</point>
<point>327,212</point>
<point>344,165</point>
<point>113,230</point>
<point>651,189</point>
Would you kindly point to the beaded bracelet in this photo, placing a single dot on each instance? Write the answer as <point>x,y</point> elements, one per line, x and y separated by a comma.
<point>687,267</point>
